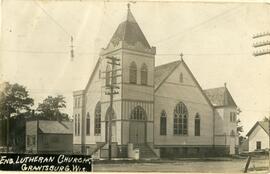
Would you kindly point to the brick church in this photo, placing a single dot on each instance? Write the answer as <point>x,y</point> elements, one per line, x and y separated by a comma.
<point>160,110</point>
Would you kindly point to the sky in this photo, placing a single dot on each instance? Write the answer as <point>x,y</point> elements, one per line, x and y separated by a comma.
<point>215,38</point>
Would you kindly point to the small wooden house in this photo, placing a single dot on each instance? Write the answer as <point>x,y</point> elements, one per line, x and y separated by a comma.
<point>258,136</point>
<point>49,137</point>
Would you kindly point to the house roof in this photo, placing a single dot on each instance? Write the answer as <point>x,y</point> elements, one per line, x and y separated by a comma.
<point>263,124</point>
<point>220,97</point>
<point>55,127</point>
<point>130,32</point>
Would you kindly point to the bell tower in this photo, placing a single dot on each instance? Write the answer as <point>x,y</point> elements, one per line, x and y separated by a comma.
<point>133,106</point>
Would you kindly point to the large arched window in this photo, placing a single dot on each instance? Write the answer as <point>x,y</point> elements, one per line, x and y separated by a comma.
<point>197,125</point>
<point>180,122</point>
<point>163,123</point>
<point>108,75</point>
<point>133,73</point>
<point>79,125</point>
<point>75,125</point>
<point>88,124</point>
<point>138,113</point>
<point>98,119</point>
<point>144,74</point>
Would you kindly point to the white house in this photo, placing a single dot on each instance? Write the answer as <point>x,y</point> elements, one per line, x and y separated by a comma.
<point>160,109</point>
<point>258,136</point>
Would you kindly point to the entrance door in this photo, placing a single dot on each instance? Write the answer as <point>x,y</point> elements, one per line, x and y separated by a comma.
<point>113,131</point>
<point>137,132</point>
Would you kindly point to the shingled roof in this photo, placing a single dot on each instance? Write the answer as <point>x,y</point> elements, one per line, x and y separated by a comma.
<point>263,124</point>
<point>162,71</point>
<point>55,127</point>
<point>130,32</point>
<point>220,97</point>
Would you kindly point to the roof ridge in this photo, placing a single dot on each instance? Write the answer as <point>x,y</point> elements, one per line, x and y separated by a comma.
<point>176,61</point>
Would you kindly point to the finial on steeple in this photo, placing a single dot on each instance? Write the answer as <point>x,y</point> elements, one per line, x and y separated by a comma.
<point>128,6</point>
<point>225,84</point>
<point>181,56</point>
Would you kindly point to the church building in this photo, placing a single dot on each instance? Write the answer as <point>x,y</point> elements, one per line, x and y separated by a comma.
<point>160,110</point>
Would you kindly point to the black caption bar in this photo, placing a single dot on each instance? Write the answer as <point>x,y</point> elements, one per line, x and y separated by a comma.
<point>45,162</point>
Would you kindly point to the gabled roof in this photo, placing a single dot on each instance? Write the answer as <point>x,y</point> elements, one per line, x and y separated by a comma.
<point>220,97</point>
<point>163,71</point>
<point>263,124</point>
<point>55,127</point>
<point>130,32</point>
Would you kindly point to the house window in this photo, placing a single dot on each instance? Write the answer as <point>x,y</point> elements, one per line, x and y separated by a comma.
<point>180,123</point>
<point>232,133</point>
<point>197,125</point>
<point>79,125</point>
<point>258,145</point>
<point>163,123</point>
<point>88,124</point>
<point>133,73</point>
<point>75,102</point>
<point>108,74</point>
<point>79,102</point>
<point>75,125</point>
<point>138,113</point>
<point>98,119</point>
<point>232,117</point>
<point>181,78</point>
<point>144,74</point>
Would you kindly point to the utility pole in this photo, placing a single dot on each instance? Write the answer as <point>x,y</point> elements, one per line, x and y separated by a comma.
<point>112,87</point>
<point>263,51</point>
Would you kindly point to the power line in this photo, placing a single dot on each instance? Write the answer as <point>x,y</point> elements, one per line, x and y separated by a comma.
<point>57,23</point>
<point>198,25</point>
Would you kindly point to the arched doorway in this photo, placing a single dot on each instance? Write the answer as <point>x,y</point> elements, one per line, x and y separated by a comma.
<point>137,126</point>
<point>113,123</point>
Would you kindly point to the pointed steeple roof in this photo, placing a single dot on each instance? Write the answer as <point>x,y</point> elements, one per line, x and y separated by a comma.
<point>130,33</point>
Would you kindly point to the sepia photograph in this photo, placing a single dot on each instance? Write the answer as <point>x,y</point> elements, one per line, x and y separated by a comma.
<point>135,86</point>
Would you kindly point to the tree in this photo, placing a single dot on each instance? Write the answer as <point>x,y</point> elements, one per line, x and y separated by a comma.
<point>14,101</point>
<point>239,127</point>
<point>50,108</point>
<point>265,119</point>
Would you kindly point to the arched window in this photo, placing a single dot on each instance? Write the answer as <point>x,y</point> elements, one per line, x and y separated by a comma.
<point>75,125</point>
<point>181,78</point>
<point>98,119</point>
<point>88,124</point>
<point>144,74</point>
<point>180,121</point>
<point>197,125</point>
<point>108,74</point>
<point>163,123</point>
<point>108,112</point>
<point>133,73</point>
<point>138,113</point>
<point>79,125</point>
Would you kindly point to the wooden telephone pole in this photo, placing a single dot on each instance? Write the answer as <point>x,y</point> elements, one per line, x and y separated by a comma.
<point>112,90</point>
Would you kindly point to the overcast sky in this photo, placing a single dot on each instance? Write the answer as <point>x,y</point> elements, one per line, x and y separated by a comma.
<point>215,38</point>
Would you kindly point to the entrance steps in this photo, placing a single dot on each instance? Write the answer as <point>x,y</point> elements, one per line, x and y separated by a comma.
<point>146,152</point>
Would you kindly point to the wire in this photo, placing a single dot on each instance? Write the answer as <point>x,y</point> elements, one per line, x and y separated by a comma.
<point>198,25</point>
<point>57,23</point>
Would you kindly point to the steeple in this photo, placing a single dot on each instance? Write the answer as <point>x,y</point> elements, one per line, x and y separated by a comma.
<point>130,17</point>
<point>130,34</point>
